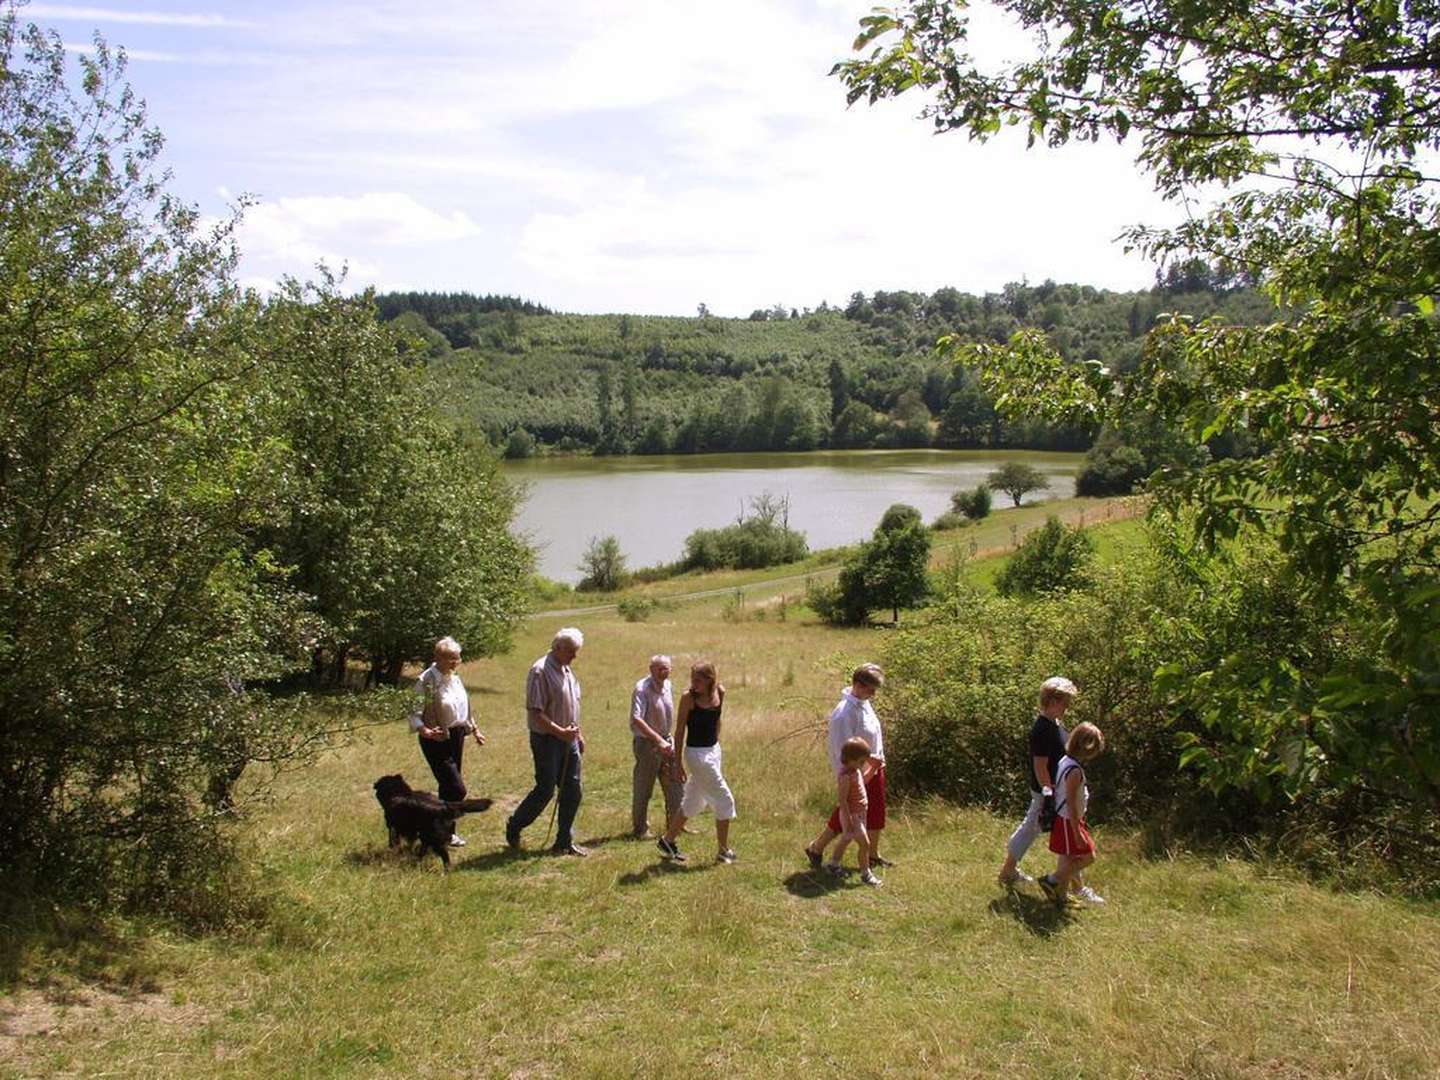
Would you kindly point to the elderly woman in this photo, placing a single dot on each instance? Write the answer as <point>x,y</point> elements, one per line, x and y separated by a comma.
<point>854,717</point>
<point>442,720</point>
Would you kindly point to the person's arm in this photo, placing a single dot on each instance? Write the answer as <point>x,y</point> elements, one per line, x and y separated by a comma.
<point>682,717</point>
<point>720,694</point>
<point>842,800</point>
<point>1073,779</point>
<point>1042,770</point>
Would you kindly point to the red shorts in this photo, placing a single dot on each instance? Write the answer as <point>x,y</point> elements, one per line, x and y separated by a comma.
<point>1070,838</point>
<point>874,812</point>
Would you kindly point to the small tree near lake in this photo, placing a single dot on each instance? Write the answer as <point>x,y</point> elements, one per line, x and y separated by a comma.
<point>1017,480</point>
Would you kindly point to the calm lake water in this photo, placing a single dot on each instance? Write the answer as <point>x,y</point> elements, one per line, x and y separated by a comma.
<point>836,497</point>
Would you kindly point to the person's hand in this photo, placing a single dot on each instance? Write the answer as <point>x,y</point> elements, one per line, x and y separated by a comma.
<point>666,747</point>
<point>580,740</point>
<point>479,738</point>
<point>434,734</point>
<point>680,773</point>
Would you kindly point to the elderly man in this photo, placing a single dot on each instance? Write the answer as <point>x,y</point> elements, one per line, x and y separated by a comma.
<point>552,705</point>
<point>652,715</point>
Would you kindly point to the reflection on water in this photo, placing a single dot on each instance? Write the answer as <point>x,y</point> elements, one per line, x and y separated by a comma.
<point>836,497</point>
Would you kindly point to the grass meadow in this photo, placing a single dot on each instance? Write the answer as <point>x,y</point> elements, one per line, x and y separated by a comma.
<point>374,965</point>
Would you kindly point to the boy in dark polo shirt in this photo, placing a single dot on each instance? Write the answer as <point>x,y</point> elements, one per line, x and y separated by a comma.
<point>1045,748</point>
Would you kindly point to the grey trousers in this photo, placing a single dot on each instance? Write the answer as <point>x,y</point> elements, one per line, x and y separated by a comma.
<point>650,765</point>
<point>1028,829</point>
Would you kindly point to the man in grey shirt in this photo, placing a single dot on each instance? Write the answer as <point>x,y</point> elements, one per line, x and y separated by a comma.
<point>652,715</point>
<point>552,707</point>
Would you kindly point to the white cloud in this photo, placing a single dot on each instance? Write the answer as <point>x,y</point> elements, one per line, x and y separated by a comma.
<point>143,18</point>
<point>81,49</point>
<point>292,235</point>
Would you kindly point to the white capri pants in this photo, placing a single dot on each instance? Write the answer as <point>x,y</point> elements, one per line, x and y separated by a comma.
<point>704,786</point>
<point>1028,829</point>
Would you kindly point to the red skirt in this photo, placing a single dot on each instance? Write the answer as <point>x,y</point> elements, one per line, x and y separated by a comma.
<point>1070,838</point>
<point>875,812</point>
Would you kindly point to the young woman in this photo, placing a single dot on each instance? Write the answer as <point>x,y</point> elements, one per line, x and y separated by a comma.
<point>697,732</point>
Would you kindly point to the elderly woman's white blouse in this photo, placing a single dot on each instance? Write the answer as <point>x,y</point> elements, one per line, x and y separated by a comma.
<point>452,703</point>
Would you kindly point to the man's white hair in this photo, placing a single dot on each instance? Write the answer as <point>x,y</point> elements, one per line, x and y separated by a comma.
<point>569,634</point>
<point>660,658</point>
<point>447,645</point>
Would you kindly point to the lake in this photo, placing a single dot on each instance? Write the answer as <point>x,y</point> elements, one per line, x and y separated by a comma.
<point>651,504</point>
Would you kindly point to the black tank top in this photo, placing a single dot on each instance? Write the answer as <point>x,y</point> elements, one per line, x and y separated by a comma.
<point>702,729</point>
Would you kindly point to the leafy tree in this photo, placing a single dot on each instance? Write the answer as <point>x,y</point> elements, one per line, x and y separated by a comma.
<point>1317,118</point>
<point>1017,480</point>
<point>603,565</point>
<point>888,571</point>
<point>1051,558</point>
<point>973,504</point>
<point>839,388</point>
<point>520,444</point>
<point>894,567</point>
<point>136,618</point>
<point>1110,468</point>
<point>912,419</point>
<point>898,516</point>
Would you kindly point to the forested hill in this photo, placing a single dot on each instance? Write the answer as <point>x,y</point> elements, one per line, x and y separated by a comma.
<point>783,378</point>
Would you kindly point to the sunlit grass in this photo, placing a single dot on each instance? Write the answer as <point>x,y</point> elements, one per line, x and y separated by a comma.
<point>619,965</point>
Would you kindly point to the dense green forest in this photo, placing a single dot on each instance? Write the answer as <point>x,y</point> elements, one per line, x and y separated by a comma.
<point>865,375</point>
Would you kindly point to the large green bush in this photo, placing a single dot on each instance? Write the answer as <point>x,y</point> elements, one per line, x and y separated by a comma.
<point>1052,558</point>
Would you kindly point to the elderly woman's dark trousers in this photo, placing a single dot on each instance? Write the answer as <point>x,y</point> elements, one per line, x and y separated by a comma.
<point>557,764</point>
<point>444,761</point>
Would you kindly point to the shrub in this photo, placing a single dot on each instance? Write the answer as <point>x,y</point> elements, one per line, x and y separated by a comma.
<point>973,504</point>
<point>898,516</point>
<point>1110,469</point>
<point>520,444</point>
<point>760,540</point>
<point>1051,558</point>
<point>963,692</point>
<point>636,608</point>
<point>949,520</point>
<point>603,565</point>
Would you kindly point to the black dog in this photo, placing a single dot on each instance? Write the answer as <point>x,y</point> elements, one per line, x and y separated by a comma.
<point>420,817</point>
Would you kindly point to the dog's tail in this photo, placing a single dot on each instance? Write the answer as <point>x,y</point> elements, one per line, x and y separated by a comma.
<point>469,806</point>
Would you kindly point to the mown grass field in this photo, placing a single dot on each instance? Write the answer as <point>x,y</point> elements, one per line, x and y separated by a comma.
<point>620,965</point>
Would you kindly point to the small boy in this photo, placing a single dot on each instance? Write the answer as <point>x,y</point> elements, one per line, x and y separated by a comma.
<point>853,803</point>
<point>1070,839</point>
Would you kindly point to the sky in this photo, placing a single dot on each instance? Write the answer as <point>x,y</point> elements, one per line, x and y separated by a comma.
<point>600,155</point>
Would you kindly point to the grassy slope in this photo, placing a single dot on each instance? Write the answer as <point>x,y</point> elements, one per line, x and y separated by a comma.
<point>619,965</point>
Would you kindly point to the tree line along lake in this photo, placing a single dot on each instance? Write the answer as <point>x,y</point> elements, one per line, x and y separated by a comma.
<point>651,504</point>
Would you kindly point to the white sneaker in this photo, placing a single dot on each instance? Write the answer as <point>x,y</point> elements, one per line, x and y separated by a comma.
<point>1018,877</point>
<point>1089,896</point>
<point>870,879</point>
<point>456,840</point>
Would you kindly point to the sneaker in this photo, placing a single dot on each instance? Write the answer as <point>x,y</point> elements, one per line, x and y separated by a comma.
<point>512,835</point>
<point>1089,896</point>
<point>880,860</point>
<point>570,849</point>
<point>1018,877</point>
<point>456,840</point>
<point>1051,889</point>
<point>870,879</point>
<point>669,849</point>
<point>816,859</point>
<point>834,869</point>
<point>727,856</point>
